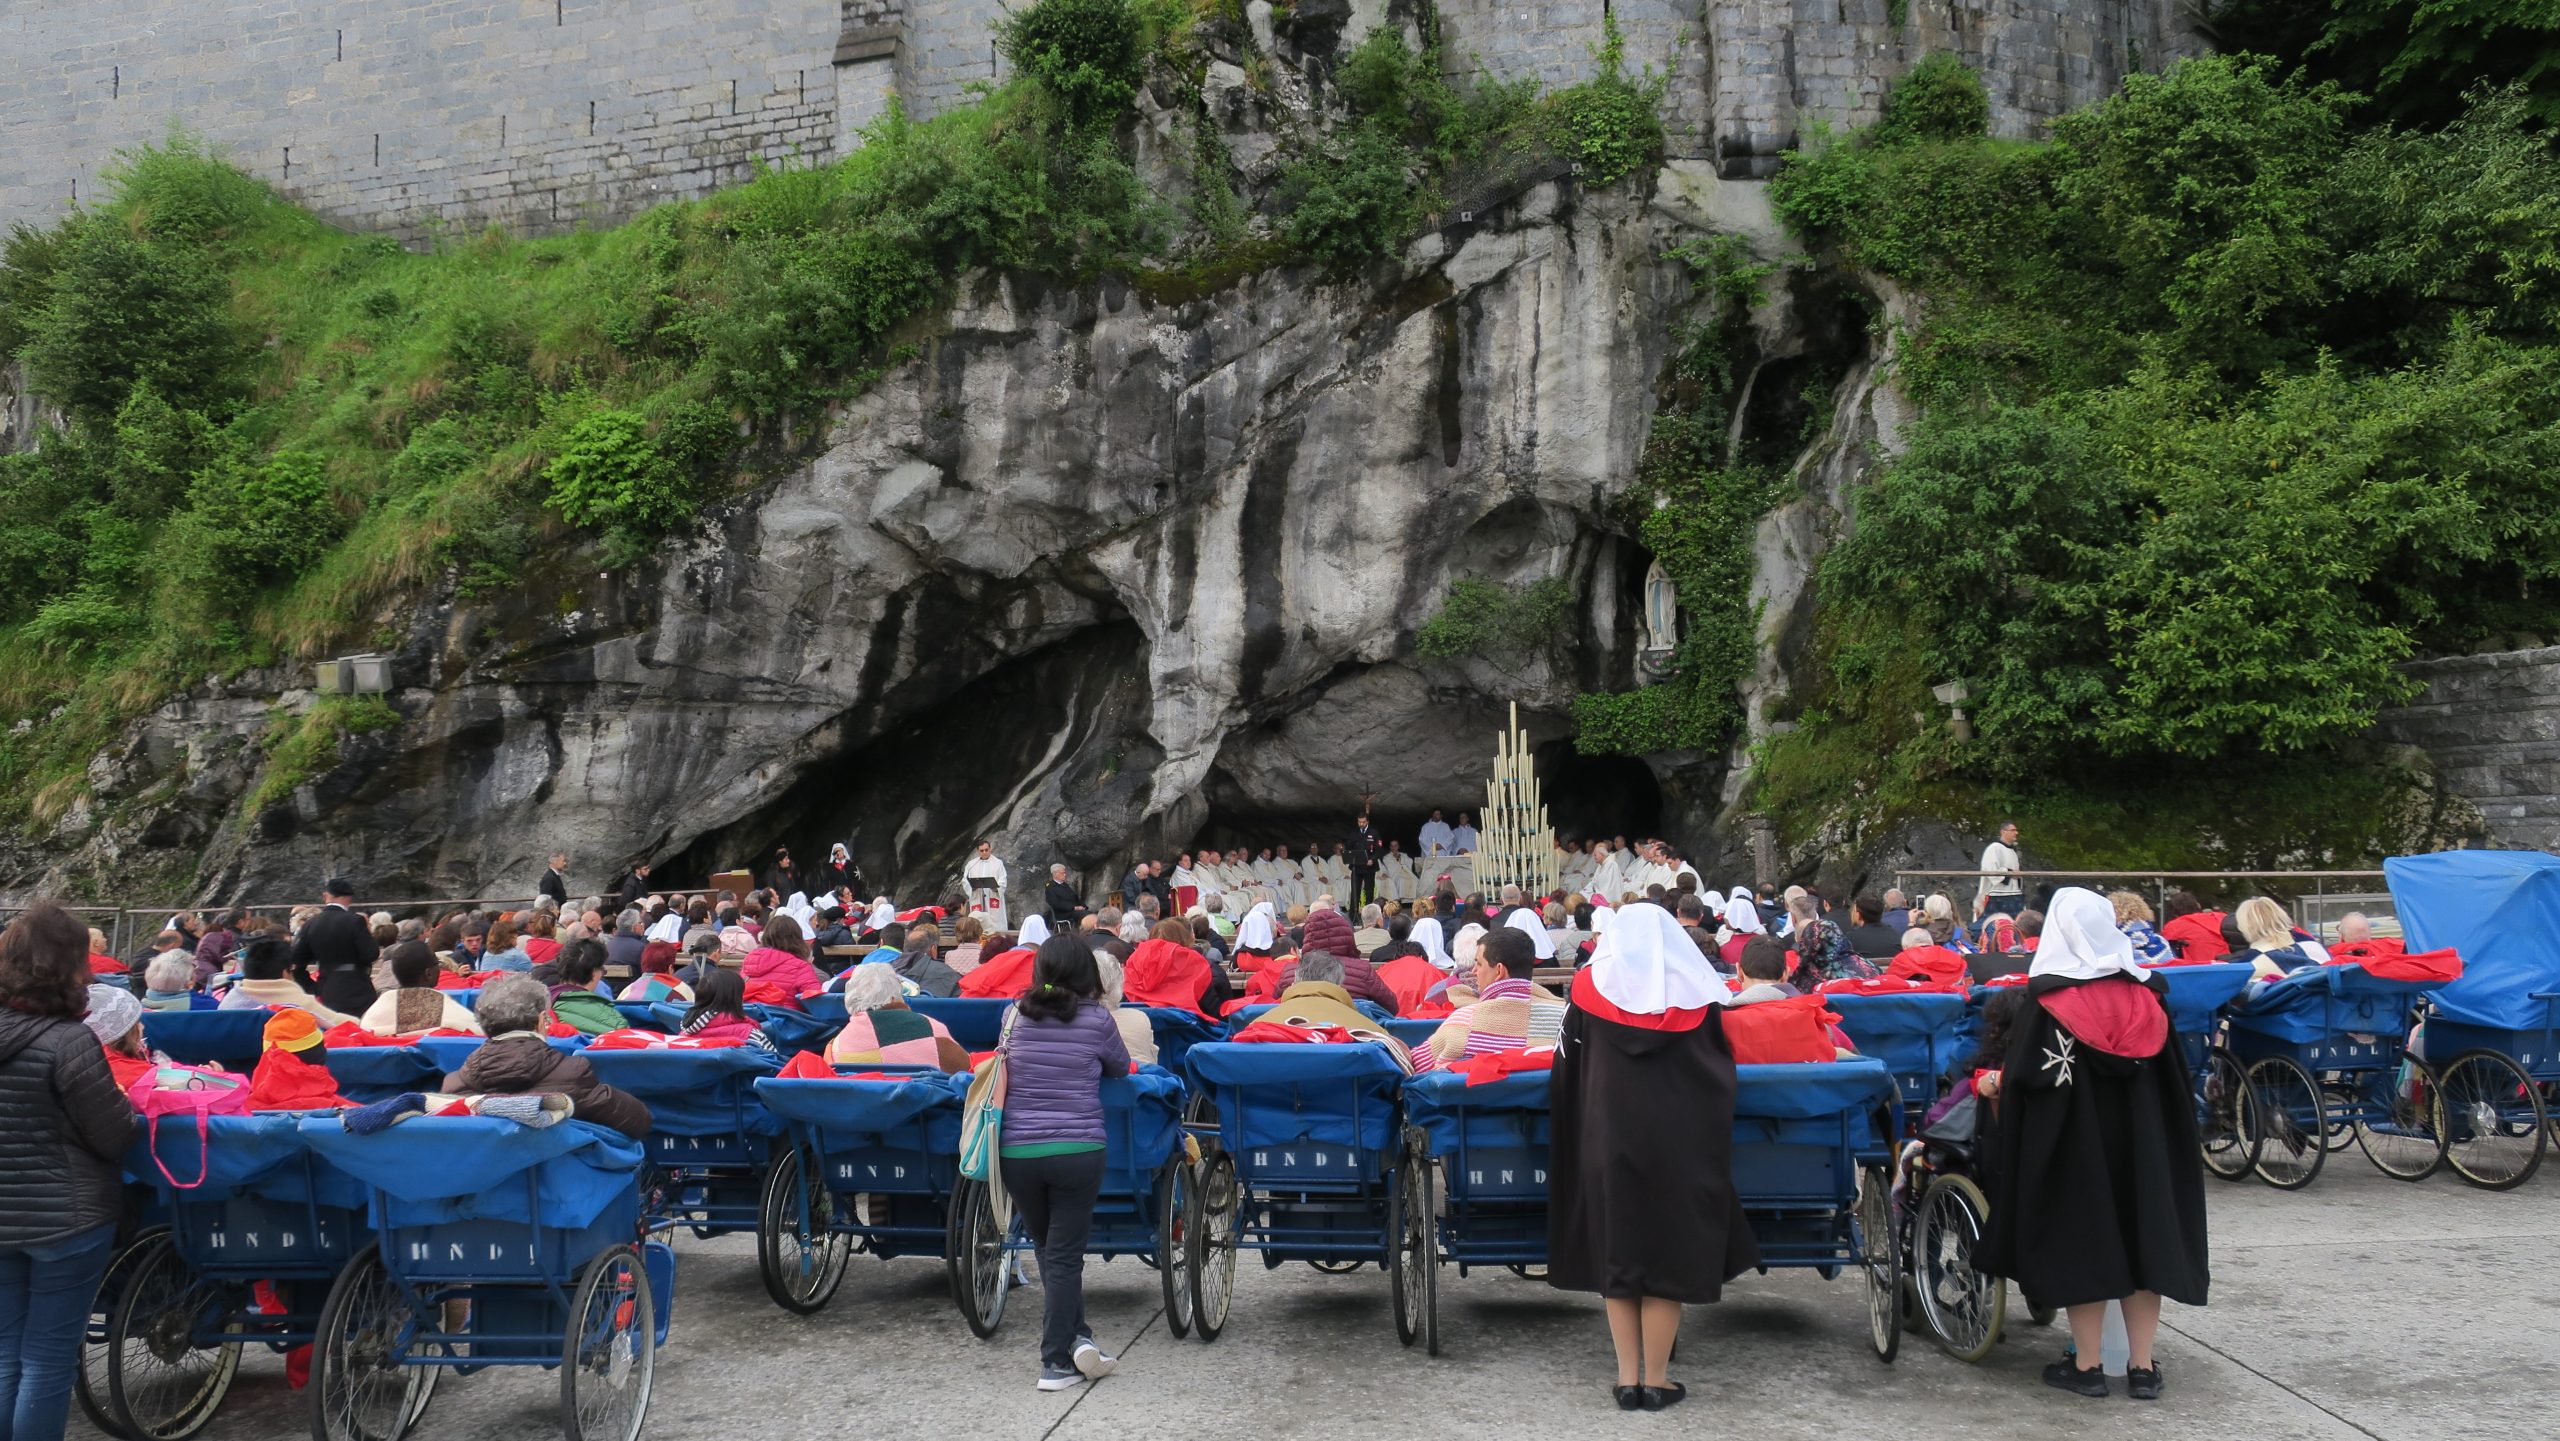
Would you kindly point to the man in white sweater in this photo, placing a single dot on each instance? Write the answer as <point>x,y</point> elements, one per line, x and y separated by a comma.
<point>1998,890</point>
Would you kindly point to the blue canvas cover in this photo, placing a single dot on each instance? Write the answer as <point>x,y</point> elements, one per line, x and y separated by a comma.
<point>432,1169</point>
<point>2501,911</point>
<point>849,1107</point>
<point>262,1155</point>
<point>1247,1015</point>
<point>1919,1035</point>
<point>827,1006</point>
<point>1177,1031</point>
<point>641,1016</point>
<point>973,1021</point>
<point>377,1073</point>
<point>467,998</point>
<point>1280,1094</point>
<point>1509,1112</point>
<point>694,1093</point>
<point>2316,1003</point>
<point>229,1039</point>
<point>1807,1090</point>
<point>2197,994</point>
<point>791,1030</point>
<point>1141,1120</point>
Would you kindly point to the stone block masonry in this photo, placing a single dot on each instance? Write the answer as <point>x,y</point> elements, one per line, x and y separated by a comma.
<point>2491,723</point>
<point>410,118</point>
<point>541,115</point>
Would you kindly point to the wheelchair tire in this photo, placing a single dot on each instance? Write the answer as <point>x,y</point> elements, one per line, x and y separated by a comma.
<point>2491,1118</point>
<point>1173,1244</point>
<point>1880,1259</point>
<point>89,1383</point>
<point>2396,1124</point>
<point>161,1384</point>
<point>1417,1252</point>
<point>1964,1307</point>
<point>2289,1123</point>
<point>800,1269</point>
<point>2222,1117</point>
<point>974,1253</point>
<point>360,1391</point>
<point>609,1353</point>
<point>2040,1315</point>
<point>1217,1210</point>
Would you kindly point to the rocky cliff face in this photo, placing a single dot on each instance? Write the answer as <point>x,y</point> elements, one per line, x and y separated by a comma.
<point>1095,570</point>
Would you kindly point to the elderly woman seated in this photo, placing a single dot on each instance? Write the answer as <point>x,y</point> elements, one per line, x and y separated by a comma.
<point>417,1005</point>
<point>169,984</point>
<point>520,1061</point>
<point>1316,998</point>
<point>1137,1033</point>
<point>880,1029</point>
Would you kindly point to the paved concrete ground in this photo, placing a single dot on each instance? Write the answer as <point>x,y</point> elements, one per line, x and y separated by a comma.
<point>2361,1308</point>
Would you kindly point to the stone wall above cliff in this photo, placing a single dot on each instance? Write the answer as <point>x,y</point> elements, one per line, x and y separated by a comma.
<point>2491,723</point>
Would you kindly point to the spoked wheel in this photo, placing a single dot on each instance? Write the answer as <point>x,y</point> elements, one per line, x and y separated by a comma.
<point>1424,1226</point>
<point>1881,1260</point>
<point>2288,1122</point>
<point>1417,1252</point>
<point>1217,1205</point>
<point>2396,1122</point>
<point>1173,1244</point>
<point>799,1253</point>
<point>1962,1305</point>
<point>359,1389</point>
<point>2492,1120</point>
<point>974,1252</point>
<point>162,1384</point>
<point>610,1355</point>
<point>2223,1125</point>
<point>89,1383</point>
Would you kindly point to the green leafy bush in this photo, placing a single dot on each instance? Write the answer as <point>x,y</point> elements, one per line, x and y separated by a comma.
<point>1086,54</point>
<point>1352,204</point>
<point>610,474</point>
<point>1611,124</point>
<point>122,312</point>
<point>1938,99</point>
<point>1481,617</point>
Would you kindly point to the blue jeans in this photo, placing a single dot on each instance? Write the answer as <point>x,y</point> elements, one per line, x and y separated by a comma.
<point>45,1294</point>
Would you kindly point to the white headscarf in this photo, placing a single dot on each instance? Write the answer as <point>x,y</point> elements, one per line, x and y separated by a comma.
<point>1601,919</point>
<point>799,909</point>
<point>1526,922</point>
<point>1462,951</point>
<point>2081,940</point>
<point>1426,934</point>
<point>1259,931</point>
<point>1742,914</point>
<point>840,854</point>
<point>882,913</point>
<point>1035,929</point>
<point>1647,964</point>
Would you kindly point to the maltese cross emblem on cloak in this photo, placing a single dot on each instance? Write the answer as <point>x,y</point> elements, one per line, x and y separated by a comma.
<point>2059,1061</point>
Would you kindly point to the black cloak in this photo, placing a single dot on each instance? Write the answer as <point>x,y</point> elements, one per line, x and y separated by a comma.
<point>2097,1188</point>
<point>1640,1198</point>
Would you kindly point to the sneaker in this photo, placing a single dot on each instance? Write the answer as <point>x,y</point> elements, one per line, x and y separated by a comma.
<point>1092,1360</point>
<point>2067,1375</point>
<point>2142,1383</point>
<point>1060,1380</point>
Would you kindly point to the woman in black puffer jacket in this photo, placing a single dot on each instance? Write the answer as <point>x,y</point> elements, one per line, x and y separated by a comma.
<point>63,1131</point>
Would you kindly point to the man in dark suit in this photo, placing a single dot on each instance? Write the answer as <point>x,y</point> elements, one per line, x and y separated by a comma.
<point>1065,902</point>
<point>337,949</point>
<point>555,880</point>
<point>1363,856</point>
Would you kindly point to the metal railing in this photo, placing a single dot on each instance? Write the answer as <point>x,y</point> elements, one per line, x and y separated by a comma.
<point>129,928</point>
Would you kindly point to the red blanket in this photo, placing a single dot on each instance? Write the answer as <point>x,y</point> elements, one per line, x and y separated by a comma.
<point>1494,1065</point>
<point>1774,1032</point>
<point>1001,977</point>
<point>286,1082</point>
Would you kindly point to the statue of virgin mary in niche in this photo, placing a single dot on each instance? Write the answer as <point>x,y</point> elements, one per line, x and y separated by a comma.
<point>1661,619</point>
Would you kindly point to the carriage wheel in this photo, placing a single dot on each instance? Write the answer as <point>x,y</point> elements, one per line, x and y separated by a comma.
<point>2396,1123</point>
<point>801,1269</point>
<point>161,1384</point>
<point>2287,1123</point>
<point>1872,1229</point>
<point>1962,1305</point>
<point>1421,1225</point>
<point>360,1391</point>
<point>1173,1244</point>
<point>89,1383</point>
<point>1217,1206</point>
<point>2491,1119</point>
<point>1409,1234</point>
<point>609,1356</point>
<point>974,1254</point>
<point>1334,1267</point>
<point>2223,1125</point>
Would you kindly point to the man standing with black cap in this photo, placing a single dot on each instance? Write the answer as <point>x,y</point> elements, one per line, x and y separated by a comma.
<point>337,949</point>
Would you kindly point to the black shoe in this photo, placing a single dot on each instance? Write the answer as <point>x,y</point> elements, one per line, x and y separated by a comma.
<point>2067,1375</point>
<point>1630,1398</point>
<point>1658,1397</point>
<point>2142,1383</point>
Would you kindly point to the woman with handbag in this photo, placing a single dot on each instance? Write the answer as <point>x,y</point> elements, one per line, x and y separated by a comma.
<point>1059,1042</point>
<point>64,1127</point>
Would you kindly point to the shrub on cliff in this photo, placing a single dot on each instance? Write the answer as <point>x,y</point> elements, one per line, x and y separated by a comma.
<point>1938,99</point>
<point>1086,54</point>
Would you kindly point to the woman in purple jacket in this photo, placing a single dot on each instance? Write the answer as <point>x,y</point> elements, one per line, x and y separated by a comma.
<point>1059,1042</point>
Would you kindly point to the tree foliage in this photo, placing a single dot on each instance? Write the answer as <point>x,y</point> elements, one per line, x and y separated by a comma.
<point>2228,407</point>
<point>2416,59</point>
